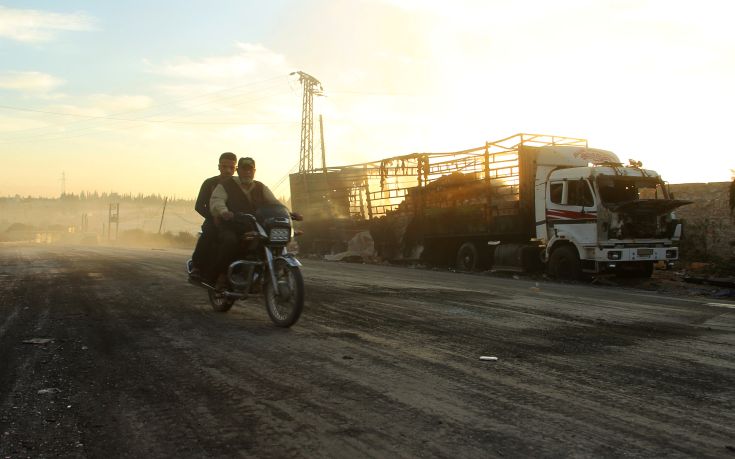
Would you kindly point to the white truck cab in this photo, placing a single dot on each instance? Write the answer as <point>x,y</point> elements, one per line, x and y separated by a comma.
<point>593,214</point>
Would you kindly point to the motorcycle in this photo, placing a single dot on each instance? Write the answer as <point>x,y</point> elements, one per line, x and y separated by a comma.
<point>263,266</point>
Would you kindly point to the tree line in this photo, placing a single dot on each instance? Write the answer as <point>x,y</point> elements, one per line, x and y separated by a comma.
<point>93,196</point>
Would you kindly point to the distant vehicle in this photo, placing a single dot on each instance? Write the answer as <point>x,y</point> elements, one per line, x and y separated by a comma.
<point>263,267</point>
<point>527,202</point>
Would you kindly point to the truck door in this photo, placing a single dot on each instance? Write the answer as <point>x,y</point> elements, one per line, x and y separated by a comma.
<point>571,211</point>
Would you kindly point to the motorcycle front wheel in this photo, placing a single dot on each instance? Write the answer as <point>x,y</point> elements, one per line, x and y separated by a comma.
<point>285,301</point>
<point>220,302</point>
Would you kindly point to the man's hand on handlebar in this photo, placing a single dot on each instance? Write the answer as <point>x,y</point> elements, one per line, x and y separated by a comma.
<point>227,216</point>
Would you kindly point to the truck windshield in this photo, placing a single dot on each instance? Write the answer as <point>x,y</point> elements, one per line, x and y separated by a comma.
<point>614,190</point>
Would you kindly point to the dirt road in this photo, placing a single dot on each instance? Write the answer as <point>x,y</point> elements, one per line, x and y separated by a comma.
<point>108,352</point>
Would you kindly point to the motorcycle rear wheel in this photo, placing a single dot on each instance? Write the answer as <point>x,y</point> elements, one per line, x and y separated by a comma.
<point>220,302</point>
<point>285,301</point>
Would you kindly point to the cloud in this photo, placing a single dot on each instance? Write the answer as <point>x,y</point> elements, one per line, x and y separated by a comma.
<point>35,82</point>
<point>32,26</point>
<point>252,59</point>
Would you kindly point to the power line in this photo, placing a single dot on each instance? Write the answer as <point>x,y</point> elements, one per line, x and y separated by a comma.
<point>83,130</point>
<point>172,102</point>
<point>90,118</point>
<point>293,168</point>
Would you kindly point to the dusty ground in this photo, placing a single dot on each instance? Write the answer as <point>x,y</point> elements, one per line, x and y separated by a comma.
<point>110,353</point>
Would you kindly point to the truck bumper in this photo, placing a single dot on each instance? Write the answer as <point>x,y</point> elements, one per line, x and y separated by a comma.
<point>608,259</point>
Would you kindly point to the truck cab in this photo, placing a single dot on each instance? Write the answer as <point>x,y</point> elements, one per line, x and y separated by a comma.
<point>602,216</point>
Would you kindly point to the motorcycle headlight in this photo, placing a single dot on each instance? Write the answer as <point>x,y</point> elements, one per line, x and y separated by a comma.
<point>280,235</point>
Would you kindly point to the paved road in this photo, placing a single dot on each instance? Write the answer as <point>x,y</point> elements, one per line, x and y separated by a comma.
<point>108,352</point>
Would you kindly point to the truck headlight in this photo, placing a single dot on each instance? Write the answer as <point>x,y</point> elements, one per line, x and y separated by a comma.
<point>672,253</point>
<point>614,255</point>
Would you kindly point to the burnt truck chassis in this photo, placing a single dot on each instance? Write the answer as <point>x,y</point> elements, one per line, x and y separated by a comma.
<point>426,206</point>
<point>473,209</point>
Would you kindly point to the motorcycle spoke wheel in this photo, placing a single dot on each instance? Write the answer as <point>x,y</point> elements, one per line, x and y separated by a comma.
<point>285,301</point>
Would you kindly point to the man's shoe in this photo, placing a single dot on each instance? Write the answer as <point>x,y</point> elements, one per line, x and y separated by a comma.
<point>221,284</point>
<point>195,275</point>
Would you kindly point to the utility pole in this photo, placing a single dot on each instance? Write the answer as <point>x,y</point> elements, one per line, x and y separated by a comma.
<point>63,183</point>
<point>324,154</point>
<point>165,200</point>
<point>311,86</point>
<point>113,216</point>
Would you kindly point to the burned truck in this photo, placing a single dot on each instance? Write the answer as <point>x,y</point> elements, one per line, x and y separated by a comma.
<point>526,202</point>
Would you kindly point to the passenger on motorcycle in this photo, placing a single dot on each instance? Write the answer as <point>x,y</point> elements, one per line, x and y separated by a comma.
<point>237,194</point>
<point>205,250</point>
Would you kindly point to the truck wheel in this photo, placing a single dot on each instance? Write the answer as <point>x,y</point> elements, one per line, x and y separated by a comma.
<point>564,264</point>
<point>468,259</point>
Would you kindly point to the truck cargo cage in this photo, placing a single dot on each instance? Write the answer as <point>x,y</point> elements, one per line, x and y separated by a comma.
<point>418,183</point>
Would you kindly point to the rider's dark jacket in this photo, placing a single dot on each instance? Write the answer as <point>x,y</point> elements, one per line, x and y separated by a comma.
<point>238,201</point>
<point>205,194</point>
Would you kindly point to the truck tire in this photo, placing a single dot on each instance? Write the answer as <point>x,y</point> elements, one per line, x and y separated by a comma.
<point>564,264</point>
<point>468,257</point>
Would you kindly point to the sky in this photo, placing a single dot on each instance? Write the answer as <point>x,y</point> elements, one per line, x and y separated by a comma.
<point>136,96</point>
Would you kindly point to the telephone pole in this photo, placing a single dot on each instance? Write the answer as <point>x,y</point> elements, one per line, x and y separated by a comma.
<point>163,212</point>
<point>324,154</point>
<point>311,86</point>
<point>113,216</point>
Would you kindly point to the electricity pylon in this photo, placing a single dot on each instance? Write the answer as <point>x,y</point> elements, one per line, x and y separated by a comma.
<point>311,86</point>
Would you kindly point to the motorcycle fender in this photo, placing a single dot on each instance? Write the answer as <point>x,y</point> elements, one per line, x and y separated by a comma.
<point>290,260</point>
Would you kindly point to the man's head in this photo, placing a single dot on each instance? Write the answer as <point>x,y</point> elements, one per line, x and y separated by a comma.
<point>227,164</point>
<point>246,170</point>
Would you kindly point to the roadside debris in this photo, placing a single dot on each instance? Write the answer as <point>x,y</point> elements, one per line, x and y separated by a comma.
<point>38,341</point>
<point>360,249</point>
<point>727,282</point>
<point>488,358</point>
<point>49,390</point>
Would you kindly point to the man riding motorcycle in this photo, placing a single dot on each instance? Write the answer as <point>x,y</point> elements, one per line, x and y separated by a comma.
<point>237,194</point>
<point>205,249</point>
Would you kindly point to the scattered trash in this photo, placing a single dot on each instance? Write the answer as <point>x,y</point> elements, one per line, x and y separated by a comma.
<point>726,282</point>
<point>535,288</point>
<point>49,390</point>
<point>724,293</point>
<point>84,348</point>
<point>516,276</point>
<point>38,341</point>
<point>488,357</point>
